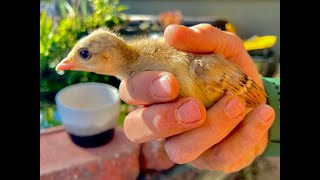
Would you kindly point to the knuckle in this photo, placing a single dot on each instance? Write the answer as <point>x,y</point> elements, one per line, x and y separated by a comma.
<point>209,26</point>
<point>249,137</point>
<point>224,156</point>
<point>155,119</point>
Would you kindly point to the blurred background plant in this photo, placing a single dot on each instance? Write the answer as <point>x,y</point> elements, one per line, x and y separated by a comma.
<point>58,34</point>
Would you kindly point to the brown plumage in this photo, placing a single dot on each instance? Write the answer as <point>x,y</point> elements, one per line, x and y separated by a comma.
<point>203,76</point>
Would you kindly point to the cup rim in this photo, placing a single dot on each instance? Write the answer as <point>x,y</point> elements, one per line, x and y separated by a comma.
<point>112,88</point>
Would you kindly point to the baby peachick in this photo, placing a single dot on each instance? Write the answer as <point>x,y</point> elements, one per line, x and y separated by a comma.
<point>206,77</point>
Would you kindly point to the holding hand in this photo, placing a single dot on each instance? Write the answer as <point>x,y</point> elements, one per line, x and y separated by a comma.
<point>222,138</point>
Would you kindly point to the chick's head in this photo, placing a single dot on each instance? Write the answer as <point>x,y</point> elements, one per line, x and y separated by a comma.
<point>99,52</point>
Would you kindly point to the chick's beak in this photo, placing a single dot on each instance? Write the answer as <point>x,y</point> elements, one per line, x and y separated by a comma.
<point>65,64</point>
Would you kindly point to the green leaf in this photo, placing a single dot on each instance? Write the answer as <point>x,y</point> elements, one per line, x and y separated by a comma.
<point>62,8</point>
<point>115,2</point>
<point>83,7</point>
<point>70,9</point>
<point>121,8</point>
<point>108,17</point>
<point>116,20</point>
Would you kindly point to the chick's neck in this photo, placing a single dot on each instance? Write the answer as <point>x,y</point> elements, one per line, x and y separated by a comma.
<point>129,56</point>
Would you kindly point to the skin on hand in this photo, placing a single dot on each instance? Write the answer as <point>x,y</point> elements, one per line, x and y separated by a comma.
<point>222,138</point>
<point>158,120</point>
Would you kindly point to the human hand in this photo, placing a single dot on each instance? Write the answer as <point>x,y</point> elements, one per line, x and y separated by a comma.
<point>221,138</point>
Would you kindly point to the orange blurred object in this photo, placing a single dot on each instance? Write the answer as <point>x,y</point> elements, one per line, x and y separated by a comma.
<point>170,17</point>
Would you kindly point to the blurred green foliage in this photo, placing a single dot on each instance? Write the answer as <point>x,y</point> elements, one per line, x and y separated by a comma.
<point>58,34</point>
<point>47,116</point>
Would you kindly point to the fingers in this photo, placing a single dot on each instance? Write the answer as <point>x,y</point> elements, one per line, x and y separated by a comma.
<point>204,38</point>
<point>149,87</point>
<point>221,119</point>
<point>248,157</point>
<point>164,120</point>
<point>247,141</point>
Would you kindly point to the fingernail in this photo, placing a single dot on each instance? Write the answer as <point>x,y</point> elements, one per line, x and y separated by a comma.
<point>189,112</point>
<point>161,87</point>
<point>234,107</point>
<point>265,114</point>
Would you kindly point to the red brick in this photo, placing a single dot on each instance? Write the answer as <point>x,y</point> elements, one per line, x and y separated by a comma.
<point>62,160</point>
<point>154,157</point>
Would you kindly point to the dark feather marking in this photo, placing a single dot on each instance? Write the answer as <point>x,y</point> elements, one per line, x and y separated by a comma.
<point>246,77</point>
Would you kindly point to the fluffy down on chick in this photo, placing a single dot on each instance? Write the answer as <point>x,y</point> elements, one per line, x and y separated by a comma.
<point>204,76</point>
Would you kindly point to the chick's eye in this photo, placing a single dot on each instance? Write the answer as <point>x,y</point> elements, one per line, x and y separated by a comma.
<point>84,54</point>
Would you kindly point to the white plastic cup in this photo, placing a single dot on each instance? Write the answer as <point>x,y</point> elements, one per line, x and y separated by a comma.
<point>89,112</point>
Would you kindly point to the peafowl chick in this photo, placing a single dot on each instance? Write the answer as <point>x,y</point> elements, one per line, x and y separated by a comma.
<point>204,76</point>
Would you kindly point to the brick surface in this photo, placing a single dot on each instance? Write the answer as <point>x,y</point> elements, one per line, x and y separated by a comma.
<point>62,160</point>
